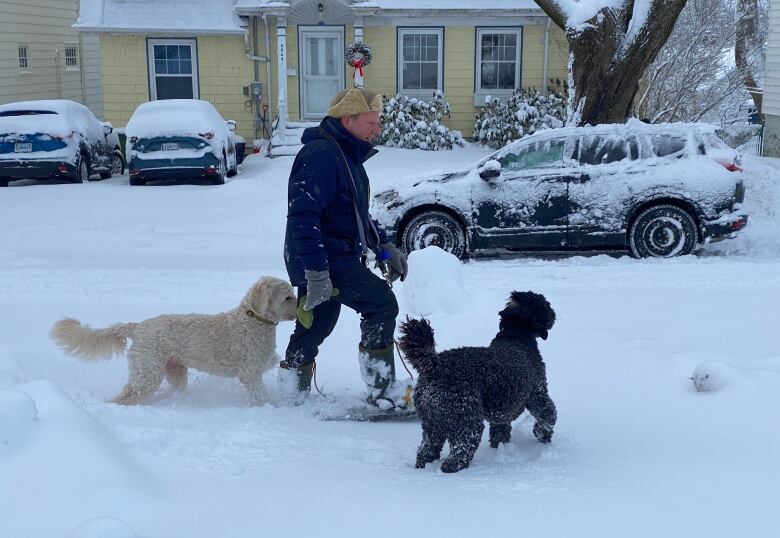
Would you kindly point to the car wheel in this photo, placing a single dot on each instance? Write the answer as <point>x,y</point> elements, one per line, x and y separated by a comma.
<point>434,228</point>
<point>3,182</point>
<point>82,170</point>
<point>137,182</point>
<point>222,172</point>
<point>662,231</point>
<point>232,172</point>
<point>117,164</point>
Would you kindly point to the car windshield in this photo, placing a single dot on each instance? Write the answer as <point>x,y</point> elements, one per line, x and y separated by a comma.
<point>541,154</point>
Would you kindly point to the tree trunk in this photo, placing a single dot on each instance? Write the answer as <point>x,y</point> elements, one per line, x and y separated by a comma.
<point>746,51</point>
<point>609,57</point>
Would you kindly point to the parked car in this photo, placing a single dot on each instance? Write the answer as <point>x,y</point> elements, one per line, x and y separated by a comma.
<point>55,139</point>
<point>655,190</point>
<point>180,139</point>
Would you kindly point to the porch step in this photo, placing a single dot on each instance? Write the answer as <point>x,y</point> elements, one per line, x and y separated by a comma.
<point>288,142</point>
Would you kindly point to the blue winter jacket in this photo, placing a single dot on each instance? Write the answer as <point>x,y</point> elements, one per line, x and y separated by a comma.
<point>322,231</point>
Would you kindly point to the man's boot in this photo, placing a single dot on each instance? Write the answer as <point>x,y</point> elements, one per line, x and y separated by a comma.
<point>294,383</point>
<point>377,368</point>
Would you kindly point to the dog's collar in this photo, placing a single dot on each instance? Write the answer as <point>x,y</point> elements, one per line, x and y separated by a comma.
<point>252,314</point>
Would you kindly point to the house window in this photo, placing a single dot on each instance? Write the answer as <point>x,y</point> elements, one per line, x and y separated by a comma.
<point>173,71</point>
<point>498,60</point>
<point>420,52</point>
<point>24,59</point>
<point>71,57</point>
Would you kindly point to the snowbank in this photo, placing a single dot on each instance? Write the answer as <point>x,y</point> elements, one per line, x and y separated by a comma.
<point>103,527</point>
<point>435,283</point>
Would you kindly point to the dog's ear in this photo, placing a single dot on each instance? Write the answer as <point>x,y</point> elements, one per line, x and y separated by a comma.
<point>258,298</point>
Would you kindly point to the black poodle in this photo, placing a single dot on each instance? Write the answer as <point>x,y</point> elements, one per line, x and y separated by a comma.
<point>460,388</point>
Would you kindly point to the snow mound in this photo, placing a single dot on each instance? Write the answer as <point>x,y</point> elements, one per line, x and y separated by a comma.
<point>17,414</point>
<point>9,370</point>
<point>435,283</point>
<point>103,527</point>
<point>713,375</point>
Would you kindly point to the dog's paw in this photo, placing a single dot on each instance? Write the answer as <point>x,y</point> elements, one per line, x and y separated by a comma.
<point>420,464</point>
<point>451,465</point>
<point>543,433</point>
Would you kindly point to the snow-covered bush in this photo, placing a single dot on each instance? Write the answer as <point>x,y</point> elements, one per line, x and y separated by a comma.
<point>524,113</point>
<point>411,123</point>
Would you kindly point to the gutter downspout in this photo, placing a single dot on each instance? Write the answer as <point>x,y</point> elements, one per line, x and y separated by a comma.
<point>269,87</point>
<point>546,44</point>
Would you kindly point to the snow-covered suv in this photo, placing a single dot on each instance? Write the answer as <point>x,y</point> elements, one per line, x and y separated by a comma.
<point>656,190</point>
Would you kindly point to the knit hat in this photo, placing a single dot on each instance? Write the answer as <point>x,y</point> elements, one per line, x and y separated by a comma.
<point>354,101</point>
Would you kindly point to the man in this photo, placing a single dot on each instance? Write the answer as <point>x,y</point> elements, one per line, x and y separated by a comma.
<point>329,232</point>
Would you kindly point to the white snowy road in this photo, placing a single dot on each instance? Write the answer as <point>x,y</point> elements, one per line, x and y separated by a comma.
<point>637,451</point>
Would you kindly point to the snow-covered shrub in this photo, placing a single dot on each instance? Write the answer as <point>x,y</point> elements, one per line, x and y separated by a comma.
<point>524,113</point>
<point>411,123</point>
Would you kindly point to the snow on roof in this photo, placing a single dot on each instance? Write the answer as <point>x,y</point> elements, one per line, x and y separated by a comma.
<point>171,16</point>
<point>175,117</point>
<point>67,117</point>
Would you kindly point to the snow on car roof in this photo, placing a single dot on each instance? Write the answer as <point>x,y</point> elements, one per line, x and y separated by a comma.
<point>175,117</point>
<point>65,117</point>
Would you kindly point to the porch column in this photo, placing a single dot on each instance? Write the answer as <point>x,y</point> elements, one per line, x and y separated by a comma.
<point>358,37</point>
<point>281,70</point>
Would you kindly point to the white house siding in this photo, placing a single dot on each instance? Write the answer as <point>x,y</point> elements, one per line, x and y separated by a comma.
<point>93,86</point>
<point>45,27</point>
<point>771,103</point>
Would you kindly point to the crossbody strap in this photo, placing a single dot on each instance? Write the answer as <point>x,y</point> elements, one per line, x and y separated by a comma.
<point>353,191</point>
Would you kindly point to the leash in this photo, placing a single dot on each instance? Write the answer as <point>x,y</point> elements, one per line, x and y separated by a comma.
<point>403,360</point>
<point>314,377</point>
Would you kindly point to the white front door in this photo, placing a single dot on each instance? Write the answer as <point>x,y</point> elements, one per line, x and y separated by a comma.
<point>322,68</point>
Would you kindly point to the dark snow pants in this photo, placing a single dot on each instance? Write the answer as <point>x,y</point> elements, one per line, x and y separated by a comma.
<point>362,291</point>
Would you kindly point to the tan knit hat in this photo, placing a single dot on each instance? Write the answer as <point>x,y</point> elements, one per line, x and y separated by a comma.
<point>354,101</point>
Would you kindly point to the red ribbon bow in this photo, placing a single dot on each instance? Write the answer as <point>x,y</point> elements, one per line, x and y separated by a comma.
<point>358,65</point>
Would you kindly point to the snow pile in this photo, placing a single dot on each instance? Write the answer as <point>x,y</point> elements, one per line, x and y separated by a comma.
<point>435,283</point>
<point>411,123</point>
<point>524,113</point>
<point>103,527</point>
<point>759,239</point>
<point>17,415</point>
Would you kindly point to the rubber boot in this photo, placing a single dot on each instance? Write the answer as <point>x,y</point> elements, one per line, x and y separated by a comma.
<point>294,383</point>
<point>377,368</point>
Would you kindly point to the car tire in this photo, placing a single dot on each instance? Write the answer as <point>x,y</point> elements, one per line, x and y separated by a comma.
<point>117,166</point>
<point>137,182</point>
<point>82,170</point>
<point>434,228</point>
<point>3,182</point>
<point>220,178</point>
<point>662,231</point>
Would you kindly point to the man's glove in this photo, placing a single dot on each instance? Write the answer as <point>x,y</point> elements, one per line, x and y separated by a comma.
<point>318,288</point>
<point>395,260</point>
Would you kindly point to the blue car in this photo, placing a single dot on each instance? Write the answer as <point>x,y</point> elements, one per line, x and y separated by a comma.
<point>180,139</point>
<point>55,139</point>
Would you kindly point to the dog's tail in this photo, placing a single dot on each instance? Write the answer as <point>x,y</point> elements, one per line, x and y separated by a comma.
<point>90,344</point>
<point>418,345</point>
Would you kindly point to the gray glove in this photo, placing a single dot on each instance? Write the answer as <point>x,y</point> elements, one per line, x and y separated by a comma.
<point>395,260</point>
<point>318,288</point>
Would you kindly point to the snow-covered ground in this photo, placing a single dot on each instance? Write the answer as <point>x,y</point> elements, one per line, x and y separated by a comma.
<point>637,450</point>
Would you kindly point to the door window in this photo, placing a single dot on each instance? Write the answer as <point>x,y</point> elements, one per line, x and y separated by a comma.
<point>607,149</point>
<point>173,69</point>
<point>541,154</point>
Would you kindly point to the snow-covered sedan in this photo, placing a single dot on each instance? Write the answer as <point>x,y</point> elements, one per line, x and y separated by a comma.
<point>55,139</point>
<point>180,139</point>
<point>655,190</point>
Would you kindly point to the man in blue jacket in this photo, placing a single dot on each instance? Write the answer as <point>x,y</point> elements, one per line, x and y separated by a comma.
<point>329,232</point>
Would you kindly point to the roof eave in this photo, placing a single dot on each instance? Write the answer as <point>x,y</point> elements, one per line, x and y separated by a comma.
<point>173,31</point>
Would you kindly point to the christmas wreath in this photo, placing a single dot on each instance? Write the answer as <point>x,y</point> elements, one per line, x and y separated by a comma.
<point>358,54</point>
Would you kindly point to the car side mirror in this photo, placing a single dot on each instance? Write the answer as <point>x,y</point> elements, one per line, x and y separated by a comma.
<point>489,173</point>
<point>231,125</point>
<point>107,128</point>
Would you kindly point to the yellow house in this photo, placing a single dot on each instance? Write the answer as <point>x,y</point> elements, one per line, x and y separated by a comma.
<point>274,64</point>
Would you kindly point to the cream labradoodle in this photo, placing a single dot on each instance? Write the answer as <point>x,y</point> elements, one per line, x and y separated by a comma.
<point>239,343</point>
